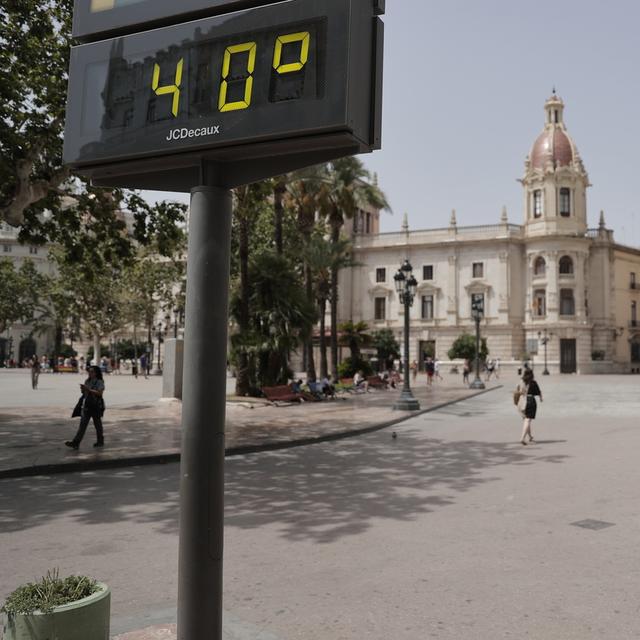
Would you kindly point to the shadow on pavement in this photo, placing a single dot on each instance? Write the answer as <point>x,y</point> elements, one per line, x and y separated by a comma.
<point>319,493</point>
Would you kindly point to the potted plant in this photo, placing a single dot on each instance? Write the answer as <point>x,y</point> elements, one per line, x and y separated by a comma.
<point>72,608</point>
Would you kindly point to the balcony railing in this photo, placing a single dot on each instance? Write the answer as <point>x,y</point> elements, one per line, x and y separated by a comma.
<point>634,323</point>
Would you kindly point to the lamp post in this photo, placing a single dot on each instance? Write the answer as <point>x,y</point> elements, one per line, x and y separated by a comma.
<point>477,311</point>
<point>544,338</point>
<point>406,286</point>
<point>159,335</point>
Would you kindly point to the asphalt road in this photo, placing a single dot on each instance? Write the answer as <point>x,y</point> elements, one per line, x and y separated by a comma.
<point>452,530</point>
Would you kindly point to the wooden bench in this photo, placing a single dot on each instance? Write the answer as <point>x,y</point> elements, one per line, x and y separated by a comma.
<point>376,382</point>
<point>281,393</point>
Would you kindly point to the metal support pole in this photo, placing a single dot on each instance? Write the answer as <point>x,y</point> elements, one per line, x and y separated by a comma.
<point>203,416</point>
<point>477,383</point>
<point>545,340</point>
<point>406,402</point>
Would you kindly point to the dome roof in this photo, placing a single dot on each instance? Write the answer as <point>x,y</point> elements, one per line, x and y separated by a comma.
<point>552,144</point>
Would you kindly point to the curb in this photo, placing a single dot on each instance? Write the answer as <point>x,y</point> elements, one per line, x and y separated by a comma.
<point>165,458</point>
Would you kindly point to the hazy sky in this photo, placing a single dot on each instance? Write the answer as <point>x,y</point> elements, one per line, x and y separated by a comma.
<point>465,85</point>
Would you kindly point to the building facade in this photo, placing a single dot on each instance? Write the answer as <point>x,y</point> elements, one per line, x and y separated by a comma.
<point>550,279</point>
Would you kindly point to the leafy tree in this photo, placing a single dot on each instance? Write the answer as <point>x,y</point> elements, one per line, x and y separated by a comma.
<point>20,293</point>
<point>387,346</point>
<point>34,51</point>
<point>465,347</point>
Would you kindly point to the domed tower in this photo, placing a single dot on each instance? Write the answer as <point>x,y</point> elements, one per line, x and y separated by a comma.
<point>555,181</point>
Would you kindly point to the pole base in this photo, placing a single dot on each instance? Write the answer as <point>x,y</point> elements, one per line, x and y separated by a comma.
<point>407,403</point>
<point>545,372</point>
<point>477,384</point>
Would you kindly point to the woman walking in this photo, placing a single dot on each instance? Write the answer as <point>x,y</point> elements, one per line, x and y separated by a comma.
<point>92,408</point>
<point>527,405</point>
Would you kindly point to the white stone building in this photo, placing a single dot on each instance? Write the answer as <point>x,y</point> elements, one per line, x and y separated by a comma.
<point>551,273</point>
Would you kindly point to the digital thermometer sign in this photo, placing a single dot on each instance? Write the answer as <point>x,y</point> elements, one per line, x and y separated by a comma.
<point>286,78</point>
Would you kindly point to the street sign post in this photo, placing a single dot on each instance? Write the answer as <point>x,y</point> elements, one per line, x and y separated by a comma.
<point>202,96</point>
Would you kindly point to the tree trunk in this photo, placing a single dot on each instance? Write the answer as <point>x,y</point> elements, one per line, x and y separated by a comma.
<point>279,190</point>
<point>57,347</point>
<point>243,378</point>
<point>96,347</point>
<point>335,236</point>
<point>311,365</point>
<point>324,368</point>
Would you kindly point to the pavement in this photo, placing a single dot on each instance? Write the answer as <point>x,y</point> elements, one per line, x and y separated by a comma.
<point>452,530</point>
<point>140,428</point>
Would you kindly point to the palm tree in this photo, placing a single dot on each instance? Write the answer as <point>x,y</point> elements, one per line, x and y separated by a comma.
<point>323,257</point>
<point>346,189</point>
<point>303,191</point>
<point>279,191</point>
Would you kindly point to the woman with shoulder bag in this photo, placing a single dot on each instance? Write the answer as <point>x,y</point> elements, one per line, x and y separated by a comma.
<point>92,408</point>
<point>527,405</point>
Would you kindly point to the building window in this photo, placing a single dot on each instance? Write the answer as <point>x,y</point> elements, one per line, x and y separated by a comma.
<point>537,203</point>
<point>634,314</point>
<point>368,223</point>
<point>7,248</point>
<point>632,280</point>
<point>539,266</point>
<point>565,202</point>
<point>567,303</point>
<point>380,308</point>
<point>33,251</point>
<point>566,266</point>
<point>539,303</point>
<point>381,274</point>
<point>427,272</point>
<point>478,270</point>
<point>427,307</point>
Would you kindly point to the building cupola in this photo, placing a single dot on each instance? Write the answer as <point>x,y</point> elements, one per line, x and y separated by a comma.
<point>555,179</point>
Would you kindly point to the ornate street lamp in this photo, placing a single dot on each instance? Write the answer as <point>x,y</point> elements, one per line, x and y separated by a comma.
<point>544,338</point>
<point>406,286</point>
<point>477,312</point>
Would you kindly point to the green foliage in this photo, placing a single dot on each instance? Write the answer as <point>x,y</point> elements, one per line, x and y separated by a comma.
<point>465,347</point>
<point>355,336</point>
<point>50,592</point>
<point>67,351</point>
<point>20,292</point>
<point>387,346</point>
<point>34,52</point>
<point>279,314</point>
<point>350,366</point>
<point>126,350</point>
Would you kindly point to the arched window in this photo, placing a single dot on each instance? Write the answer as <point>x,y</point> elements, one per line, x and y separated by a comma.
<point>539,266</point>
<point>566,266</point>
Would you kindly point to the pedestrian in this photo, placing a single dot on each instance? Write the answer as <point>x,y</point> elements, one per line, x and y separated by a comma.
<point>528,390</point>
<point>430,369</point>
<point>35,371</point>
<point>414,370</point>
<point>466,368</point>
<point>436,370</point>
<point>90,407</point>
<point>491,367</point>
<point>144,365</point>
<point>496,370</point>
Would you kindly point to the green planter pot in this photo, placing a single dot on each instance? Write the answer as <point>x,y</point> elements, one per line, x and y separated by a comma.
<point>86,619</point>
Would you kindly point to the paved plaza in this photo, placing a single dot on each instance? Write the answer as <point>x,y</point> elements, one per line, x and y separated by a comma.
<point>451,530</point>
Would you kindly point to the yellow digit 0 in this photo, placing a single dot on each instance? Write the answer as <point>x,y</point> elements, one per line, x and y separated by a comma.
<point>303,37</point>
<point>169,88</point>
<point>251,48</point>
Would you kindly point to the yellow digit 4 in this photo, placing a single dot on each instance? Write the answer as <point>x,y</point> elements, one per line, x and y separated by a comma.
<point>303,37</point>
<point>223,105</point>
<point>169,88</point>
